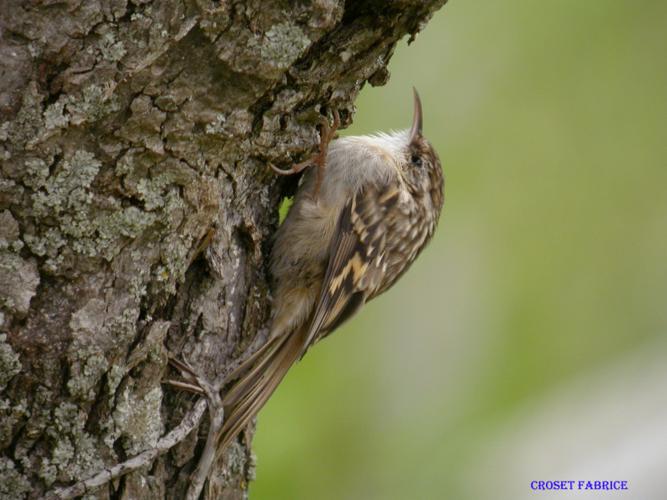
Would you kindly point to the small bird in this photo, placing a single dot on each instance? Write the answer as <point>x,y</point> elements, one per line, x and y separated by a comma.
<point>356,224</point>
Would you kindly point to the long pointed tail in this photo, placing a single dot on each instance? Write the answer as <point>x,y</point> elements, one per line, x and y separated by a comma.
<point>254,387</point>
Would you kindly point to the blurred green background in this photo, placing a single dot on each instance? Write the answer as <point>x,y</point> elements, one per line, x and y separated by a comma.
<point>527,342</point>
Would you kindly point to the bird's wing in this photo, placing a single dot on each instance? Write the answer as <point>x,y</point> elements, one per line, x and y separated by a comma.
<point>357,264</point>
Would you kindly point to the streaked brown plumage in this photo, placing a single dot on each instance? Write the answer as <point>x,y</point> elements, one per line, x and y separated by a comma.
<point>347,238</point>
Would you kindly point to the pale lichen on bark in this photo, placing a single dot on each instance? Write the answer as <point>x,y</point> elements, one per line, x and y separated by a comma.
<point>136,212</point>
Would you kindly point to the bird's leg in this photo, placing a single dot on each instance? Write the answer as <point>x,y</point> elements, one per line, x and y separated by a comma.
<point>319,159</point>
<point>195,383</point>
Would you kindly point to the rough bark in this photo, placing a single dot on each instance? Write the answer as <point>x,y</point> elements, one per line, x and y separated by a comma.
<point>136,212</point>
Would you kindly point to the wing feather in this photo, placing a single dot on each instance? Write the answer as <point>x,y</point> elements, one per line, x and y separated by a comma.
<point>356,259</point>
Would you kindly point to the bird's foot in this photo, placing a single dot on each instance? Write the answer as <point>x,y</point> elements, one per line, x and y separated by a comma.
<point>327,134</point>
<point>199,385</point>
<point>193,382</point>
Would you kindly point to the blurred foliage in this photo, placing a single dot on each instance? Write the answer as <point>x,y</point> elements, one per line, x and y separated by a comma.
<point>550,259</point>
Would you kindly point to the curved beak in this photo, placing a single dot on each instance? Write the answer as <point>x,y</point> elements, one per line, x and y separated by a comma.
<point>416,130</point>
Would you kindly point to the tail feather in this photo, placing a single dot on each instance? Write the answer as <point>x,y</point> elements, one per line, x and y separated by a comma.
<point>251,361</point>
<point>253,389</point>
<point>251,370</point>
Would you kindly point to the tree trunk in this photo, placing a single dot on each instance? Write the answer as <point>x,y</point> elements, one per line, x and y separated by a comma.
<point>136,211</point>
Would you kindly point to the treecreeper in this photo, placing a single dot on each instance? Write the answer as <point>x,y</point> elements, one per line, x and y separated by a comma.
<point>364,210</point>
<point>359,219</point>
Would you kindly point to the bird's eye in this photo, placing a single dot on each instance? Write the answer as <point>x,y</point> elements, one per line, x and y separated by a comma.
<point>416,160</point>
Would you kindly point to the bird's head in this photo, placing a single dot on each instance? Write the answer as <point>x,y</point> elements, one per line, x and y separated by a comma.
<point>412,157</point>
<point>420,165</point>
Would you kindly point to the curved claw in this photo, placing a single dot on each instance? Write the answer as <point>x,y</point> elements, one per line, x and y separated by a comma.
<point>288,171</point>
<point>336,121</point>
<point>184,386</point>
